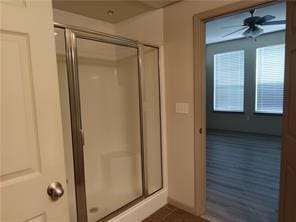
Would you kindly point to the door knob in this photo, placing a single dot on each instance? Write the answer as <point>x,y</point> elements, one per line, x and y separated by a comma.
<point>55,190</point>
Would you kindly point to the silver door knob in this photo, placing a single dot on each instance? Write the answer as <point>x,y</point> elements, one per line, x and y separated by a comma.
<point>55,190</point>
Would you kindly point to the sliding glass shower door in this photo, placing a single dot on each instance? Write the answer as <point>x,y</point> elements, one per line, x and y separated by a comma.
<point>110,118</point>
<point>106,123</point>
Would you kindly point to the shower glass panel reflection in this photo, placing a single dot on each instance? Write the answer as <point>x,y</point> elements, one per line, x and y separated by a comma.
<point>110,116</point>
<point>151,117</point>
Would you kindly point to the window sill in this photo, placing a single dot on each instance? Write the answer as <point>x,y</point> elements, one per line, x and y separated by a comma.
<point>268,114</point>
<point>230,112</point>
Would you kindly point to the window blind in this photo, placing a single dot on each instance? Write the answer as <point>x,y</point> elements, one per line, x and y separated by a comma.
<point>270,79</point>
<point>229,81</point>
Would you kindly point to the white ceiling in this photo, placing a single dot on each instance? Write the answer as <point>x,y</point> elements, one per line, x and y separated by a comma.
<point>215,30</point>
<point>98,9</point>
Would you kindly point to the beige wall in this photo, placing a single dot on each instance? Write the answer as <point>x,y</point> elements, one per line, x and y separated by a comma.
<point>147,27</point>
<point>178,42</point>
<point>68,18</point>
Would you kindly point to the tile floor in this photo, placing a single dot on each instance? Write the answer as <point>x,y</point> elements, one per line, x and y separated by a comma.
<point>169,213</point>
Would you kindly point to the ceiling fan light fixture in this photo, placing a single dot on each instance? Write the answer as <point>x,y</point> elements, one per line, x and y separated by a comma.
<point>253,32</point>
<point>257,31</point>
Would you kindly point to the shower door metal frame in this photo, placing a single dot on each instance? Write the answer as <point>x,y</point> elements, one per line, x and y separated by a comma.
<point>71,35</point>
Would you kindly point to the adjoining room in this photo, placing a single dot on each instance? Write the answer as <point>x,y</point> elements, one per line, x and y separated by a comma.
<point>245,59</point>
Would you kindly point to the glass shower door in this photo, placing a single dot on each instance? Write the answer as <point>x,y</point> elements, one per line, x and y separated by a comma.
<point>111,123</point>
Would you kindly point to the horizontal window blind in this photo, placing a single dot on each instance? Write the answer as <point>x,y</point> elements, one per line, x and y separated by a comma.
<point>229,81</point>
<point>270,67</point>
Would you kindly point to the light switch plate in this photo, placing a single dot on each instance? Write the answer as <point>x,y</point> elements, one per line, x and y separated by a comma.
<point>182,108</point>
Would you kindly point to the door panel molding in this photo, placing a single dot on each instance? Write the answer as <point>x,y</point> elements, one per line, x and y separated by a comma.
<point>18,114</point>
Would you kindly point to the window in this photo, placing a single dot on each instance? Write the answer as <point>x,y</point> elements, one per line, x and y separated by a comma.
<point>229,81</point>
<point>270,79</point>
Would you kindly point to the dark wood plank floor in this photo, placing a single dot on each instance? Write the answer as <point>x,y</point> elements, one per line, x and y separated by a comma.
<point>242,176</point>
<point>170,213</point>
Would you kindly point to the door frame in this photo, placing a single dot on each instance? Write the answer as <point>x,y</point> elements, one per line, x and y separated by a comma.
<point>199,55</point>
<point>77,136</point>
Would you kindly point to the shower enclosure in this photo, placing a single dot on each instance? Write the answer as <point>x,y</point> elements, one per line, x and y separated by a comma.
<point>110,100</point>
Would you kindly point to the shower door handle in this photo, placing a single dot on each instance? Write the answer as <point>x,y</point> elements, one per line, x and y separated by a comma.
<point>55,190</point>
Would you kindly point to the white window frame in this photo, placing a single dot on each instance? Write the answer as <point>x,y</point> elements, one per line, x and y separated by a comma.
<point>214,85</point>
<point>256,80</point>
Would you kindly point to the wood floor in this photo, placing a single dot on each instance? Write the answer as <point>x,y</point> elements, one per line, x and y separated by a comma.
<point>242,176</point>
<point>170,213</point>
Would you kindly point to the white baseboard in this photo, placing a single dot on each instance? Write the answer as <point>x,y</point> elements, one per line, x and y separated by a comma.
<point>143,209</point>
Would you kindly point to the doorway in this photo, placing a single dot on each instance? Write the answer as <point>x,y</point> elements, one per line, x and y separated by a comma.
<point>242,92</point>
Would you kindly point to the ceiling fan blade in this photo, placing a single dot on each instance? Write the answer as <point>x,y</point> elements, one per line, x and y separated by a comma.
<point>265,19</point>
<point>279,22</point>
<point>231,26</point>
<point>246,33</point>
<point>235,31</point>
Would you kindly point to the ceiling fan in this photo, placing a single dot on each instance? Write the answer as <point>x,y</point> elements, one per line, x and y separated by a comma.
<point>252,25</point>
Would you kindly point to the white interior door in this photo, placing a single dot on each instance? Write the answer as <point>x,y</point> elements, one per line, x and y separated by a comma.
<point>31,149</point>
